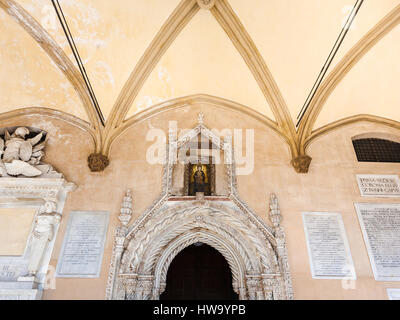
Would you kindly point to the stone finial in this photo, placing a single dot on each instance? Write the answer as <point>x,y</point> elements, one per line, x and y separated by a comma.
<point>275,212</point>
<point>172,131</point>
<point>126,209</point>
<point>97,162</point>
<point>200,118</point>
<point>206,4</point>
<point>228,154</point>
<point>301,163</point>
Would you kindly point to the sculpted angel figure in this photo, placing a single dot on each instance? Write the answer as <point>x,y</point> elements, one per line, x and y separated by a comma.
<point>17,148</point>
<point>21,155</point>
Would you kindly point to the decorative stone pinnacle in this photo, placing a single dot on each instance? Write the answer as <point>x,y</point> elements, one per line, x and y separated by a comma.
<point>126,208</point>
<point>200,118</point>
<point>275,212</point>
<point>172,134</point>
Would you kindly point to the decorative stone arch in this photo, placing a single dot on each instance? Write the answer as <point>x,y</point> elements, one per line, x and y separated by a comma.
<point>257,267</point>
<point>377,135</point>
<point>143,251</point>
<point>235,261</point>
<point>157,247</point>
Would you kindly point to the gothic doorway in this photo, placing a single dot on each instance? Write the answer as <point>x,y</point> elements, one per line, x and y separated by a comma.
<point>199,272</point>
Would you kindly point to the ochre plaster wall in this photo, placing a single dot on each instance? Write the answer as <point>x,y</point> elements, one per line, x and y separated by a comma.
<point>329,186</point>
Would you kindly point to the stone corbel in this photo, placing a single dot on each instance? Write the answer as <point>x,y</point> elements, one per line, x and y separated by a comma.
<point>97,162</point>
<point>301,163</point>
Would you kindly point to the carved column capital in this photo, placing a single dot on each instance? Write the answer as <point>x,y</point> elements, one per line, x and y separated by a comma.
<point>268,286</point>
<point>129,283</point>
<point>301,163</point>
<point>275,212</point>
<point>126,209</point>
<point>242,293</point>
<point>254,287</point>
<point>144,287</point>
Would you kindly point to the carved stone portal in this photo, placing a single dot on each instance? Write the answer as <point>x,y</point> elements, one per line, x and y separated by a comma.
<point>256,253</point>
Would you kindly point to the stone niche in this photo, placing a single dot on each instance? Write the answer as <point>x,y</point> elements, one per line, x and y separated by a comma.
<point>199,148</point>
<point>32,197</point>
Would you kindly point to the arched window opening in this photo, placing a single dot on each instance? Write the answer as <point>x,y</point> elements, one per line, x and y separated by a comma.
<point>376,150</point>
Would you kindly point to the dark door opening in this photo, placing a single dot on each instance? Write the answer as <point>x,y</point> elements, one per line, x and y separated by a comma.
<point>199,272</point>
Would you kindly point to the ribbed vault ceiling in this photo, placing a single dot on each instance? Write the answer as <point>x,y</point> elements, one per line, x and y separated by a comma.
<point>262,54</point>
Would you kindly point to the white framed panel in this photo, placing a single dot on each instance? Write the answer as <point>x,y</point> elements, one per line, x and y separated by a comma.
<point>327,245</point>
<point>374,185</point>
<point>380,225</point>
<point>83,246</point>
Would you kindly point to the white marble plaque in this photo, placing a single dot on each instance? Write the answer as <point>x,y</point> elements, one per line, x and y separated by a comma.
<point>393,294</point>
<point>328,248</point>
<point>82,251</point>
<point>20,294</point>
<point>380,224</point>
<point>373,185</point>
<point>8,272</point>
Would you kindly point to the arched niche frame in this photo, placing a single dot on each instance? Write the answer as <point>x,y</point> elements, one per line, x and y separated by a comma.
<point>144,249</point>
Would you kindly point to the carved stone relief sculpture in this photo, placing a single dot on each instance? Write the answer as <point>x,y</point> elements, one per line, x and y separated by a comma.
<point>27,182</point>
<point>21,153</point>
<point>43,233</point>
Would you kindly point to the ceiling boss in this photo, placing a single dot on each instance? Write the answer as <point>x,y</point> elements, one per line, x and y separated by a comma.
<point>206,4</point>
